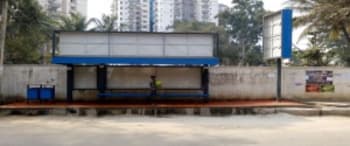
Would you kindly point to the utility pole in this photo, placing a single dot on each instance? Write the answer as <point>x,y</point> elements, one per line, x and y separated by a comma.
<point>279,79</point>
<point>3,21</point>
<point>4,6</point>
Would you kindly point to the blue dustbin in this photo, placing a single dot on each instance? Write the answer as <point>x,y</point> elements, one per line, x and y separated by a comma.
<point>33,92</point>
<point>47,92</point>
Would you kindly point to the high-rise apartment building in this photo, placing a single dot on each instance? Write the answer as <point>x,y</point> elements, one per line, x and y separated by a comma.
<point>65,7</point>
<point>163,15</point>
<point>197,10</point>
<point>135,15</point>
<point>223,8</point>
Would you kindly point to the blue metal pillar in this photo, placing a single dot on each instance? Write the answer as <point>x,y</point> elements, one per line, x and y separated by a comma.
<point>205,83</point>
<point>151,15</point>
<point>101,79</point>
<point>70,82</point>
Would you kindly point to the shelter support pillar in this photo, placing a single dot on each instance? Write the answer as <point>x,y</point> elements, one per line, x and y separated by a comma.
<point>70,82</point>
<point>279,78</point>
<point>205,82</point>
<point>101,78</point>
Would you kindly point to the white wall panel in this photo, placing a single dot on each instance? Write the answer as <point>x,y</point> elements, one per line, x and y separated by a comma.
<point>129,77</point>
<point>72,38</point>
<point>151,50</point>
<point>200,39</point>
<point>132,77</point>
<point>96,49</point>
<point>176,39</point>
<point>136,44</point>
<point>85,77</point>
<point>124,50</point>
<point>176,50</point>
<point>179,77</point>
<point>72,49</point>
<point>200,50</point>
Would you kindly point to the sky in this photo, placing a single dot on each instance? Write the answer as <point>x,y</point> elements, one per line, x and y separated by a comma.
<point>98,7</point>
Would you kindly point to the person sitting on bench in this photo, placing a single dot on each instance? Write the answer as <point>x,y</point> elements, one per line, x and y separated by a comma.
<point>154,85</point>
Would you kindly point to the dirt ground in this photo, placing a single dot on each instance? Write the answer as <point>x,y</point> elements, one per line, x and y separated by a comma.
<point>267,130</point>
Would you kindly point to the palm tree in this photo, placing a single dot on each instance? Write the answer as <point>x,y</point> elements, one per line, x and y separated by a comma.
<point>74,22</point>
<point>28,30</point>
<point>330,16</point>
<point>107,23</point>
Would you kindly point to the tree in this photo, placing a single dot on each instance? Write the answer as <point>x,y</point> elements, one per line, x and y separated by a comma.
<point>52,8</point>
<point>244,22</point>
<point>4,9</point>
<point>27,32</point>
<point>318,52</point>
<point>74,22</point>
<point>107,23</point>
<point>332,16</point>
<point>225,52</point>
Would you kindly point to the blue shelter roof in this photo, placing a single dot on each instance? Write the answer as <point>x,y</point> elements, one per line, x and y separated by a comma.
<point>133,61</point>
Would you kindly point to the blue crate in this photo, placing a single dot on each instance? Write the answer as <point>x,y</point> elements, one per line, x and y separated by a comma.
<point>33,93</point>
<point>47,92</point>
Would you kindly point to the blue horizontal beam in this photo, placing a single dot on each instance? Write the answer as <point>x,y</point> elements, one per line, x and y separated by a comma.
<point>199,61</point>
<point>124,95</point>
<point>165,95</point>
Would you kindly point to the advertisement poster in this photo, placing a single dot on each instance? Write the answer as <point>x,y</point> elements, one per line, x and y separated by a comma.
<point>319,81</point>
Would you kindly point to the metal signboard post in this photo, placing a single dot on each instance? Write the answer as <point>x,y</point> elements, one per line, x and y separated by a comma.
<point>277,40</point>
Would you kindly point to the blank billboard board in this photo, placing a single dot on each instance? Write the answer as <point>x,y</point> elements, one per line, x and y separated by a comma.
<point>277,35</point>
<point>135,44</point>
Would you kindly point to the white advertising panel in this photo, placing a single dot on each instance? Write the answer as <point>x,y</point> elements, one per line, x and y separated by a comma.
<point>272,36</point>
<point>135,44</point>
<point>277,35</point>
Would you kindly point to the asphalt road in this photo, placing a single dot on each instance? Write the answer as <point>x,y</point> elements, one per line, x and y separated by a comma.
<point>271,130</point>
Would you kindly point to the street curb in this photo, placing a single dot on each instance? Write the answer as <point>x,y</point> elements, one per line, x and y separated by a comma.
<point>298,111</point>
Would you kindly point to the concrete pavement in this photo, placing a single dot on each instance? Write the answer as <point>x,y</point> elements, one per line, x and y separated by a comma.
<point>257,130</point>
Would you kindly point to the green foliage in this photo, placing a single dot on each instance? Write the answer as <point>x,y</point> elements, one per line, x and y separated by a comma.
<point>341,49</point>
<point>332,16</point>
<point>74,22</point>
<point>330,19</point>
<point>27,31</point>
<point>24,49</point>
<point>107,23</point>
<point>240,31</point>
<point>317,53</point>
<point>194,26</point>
<point>243,22</point>
<point>30,28</point>
<point>314,57</point>
<point>52,10</point>
<point>225,52</point>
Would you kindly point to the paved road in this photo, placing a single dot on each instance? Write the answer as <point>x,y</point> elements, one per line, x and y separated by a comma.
<point>272,130</point>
